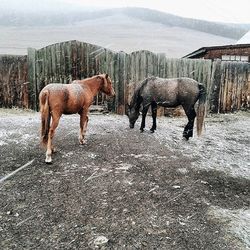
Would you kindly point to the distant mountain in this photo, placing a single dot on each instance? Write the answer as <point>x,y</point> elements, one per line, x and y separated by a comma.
<point>123,29</point>
<point>72,16</point>
<point>222,29</point>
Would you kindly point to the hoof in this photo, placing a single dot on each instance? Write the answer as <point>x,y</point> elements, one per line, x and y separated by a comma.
<point>82,142</point>
<point>152,131</point>
<point>184,138</point>
<point>48,161</point>
<point>48,158</point>
<point>141,130</point>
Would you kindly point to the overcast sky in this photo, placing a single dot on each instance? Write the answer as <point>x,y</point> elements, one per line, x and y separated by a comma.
<point>236,11</point>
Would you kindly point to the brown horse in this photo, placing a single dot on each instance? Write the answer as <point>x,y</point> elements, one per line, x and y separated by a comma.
<point>57,99</point>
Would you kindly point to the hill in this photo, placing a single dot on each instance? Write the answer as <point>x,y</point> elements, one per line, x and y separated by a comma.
<point>126,29</point>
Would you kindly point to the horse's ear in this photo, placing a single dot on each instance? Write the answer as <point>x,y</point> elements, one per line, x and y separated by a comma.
<point>106,76</point>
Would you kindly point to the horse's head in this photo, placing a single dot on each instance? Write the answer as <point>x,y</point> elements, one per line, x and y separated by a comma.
<point>132,114</point>
<point>106,86</point>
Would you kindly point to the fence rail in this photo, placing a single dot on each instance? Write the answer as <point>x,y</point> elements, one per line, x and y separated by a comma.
<point>227,83</point>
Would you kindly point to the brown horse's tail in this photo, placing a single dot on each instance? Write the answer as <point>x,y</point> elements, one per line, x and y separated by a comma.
<point>201,109</point>
<point>45,116</point>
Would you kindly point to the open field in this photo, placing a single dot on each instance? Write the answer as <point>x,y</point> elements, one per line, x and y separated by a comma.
<point>125,189</point>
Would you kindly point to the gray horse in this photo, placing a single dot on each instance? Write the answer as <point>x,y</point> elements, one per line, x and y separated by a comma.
<point>171,92</point>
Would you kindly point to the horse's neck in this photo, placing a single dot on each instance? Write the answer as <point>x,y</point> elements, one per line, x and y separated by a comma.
<point>135,100</point>
<point>92,84</point>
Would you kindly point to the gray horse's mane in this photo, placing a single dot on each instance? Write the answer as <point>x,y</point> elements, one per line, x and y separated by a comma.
<point>136,98</point>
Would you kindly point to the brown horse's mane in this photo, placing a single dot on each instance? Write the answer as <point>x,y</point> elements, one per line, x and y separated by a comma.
<point>89,81</point>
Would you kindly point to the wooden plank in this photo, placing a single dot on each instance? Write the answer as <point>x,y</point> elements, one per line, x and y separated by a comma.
<point>74,62</point>
<point>32,87</point>
<point>216,87</point>
<point>127,80</point>
<point>58,53</point>
<point>121,84</point>
<point>116,81</point>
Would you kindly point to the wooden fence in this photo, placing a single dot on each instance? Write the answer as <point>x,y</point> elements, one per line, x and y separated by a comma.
<point>227,83</point>
<point>13,81</point>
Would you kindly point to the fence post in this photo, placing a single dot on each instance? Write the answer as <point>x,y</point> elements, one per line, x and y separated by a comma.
<point>215,94</point>
<point>32,87</point>
<point>120,105</point>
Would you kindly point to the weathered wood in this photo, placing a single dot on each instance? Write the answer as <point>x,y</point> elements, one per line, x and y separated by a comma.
<point>120,92</point>
<point>227,83</point>
<point>13,74</point>
<point>215,90</point>
<point>33,92</point>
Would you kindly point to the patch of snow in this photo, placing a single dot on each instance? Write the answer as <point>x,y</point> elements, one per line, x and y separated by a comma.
<point>3,143</point>
<point>217,149</point>
<point>237,221</point>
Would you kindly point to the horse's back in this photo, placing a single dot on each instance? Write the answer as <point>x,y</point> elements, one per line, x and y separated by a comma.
<point>170,91</point>
<point>188,90</point>
<point>65,98</point>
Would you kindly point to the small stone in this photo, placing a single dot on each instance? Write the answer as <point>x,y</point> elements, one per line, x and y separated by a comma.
<point>182,170</point>
<point>176,187</point>
<point>101,240</point>
<point>204,182</point>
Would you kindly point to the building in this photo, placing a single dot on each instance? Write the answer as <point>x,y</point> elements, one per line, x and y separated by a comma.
<point>236,52</point>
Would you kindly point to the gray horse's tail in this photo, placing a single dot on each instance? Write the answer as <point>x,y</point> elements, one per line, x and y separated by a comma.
<point>201,109</point>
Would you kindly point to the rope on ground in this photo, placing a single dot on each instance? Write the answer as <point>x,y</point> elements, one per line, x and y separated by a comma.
<point>14,172</point>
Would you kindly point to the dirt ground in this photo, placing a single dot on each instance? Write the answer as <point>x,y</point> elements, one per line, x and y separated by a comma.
<point>125,189</point>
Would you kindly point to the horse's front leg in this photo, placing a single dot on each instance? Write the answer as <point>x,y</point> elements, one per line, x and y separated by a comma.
<point>154,114</point>
<point>144,113</point>
<point>83,126</point>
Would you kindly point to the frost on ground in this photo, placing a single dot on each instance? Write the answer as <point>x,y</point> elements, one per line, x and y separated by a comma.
<point>224,145</point>
<point>237,223</point>
<point>125,189</point>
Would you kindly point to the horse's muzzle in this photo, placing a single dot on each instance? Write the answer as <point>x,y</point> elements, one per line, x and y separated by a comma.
<point>131,125</point>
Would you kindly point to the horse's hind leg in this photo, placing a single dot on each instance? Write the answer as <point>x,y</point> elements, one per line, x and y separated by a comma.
<point>144,113</point>
<point>154,114</point>
<point>83,125</point>
<point>188,130</point>
<point>50,147</point>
